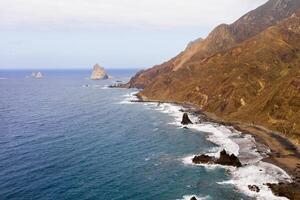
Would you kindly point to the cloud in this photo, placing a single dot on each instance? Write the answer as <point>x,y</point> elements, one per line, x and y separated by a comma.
<point>127,13</point>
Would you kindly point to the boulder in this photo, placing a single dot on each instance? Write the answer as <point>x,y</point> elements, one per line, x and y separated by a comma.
<point>185,119</point>
<point>254,188</point>
<point>99,73</point>
<point>193,198</point>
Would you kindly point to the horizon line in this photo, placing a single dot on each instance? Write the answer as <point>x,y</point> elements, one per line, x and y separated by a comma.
<point>111,68</point>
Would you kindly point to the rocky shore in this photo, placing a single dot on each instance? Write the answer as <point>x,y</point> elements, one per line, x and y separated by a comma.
<point>283,152</point>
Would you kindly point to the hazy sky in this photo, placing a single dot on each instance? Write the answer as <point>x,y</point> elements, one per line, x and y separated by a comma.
<point>114,33</point>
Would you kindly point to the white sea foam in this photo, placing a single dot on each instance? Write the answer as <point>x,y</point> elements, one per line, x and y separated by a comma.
<point>258,174</point>
<point>218,134</point>
<point>188,197</point>
<point>254,171</point>
<point>105,87</point>
<point>128,98</point>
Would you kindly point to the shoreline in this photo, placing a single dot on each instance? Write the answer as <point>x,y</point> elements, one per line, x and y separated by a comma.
<point>283,153</point>
<point>282,149</point>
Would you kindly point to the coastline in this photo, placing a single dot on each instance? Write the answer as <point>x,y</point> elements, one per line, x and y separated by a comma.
<point>283,153</point>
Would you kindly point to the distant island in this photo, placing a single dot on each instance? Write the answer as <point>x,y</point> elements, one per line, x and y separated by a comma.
<point>37,75</point>
<point>99,73</point>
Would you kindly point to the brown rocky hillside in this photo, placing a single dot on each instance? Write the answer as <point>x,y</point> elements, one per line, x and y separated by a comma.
<point>222,38</point>
<point>243,73</point>
<point>256,82</point>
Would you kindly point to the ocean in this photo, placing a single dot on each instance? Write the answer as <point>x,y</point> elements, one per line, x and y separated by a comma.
<point>67,137</point>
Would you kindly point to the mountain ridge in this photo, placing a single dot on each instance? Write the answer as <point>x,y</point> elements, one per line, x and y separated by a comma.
<point>222,38</point>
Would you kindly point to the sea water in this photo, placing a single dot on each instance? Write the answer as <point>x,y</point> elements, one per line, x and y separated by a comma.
<point>67,137</point>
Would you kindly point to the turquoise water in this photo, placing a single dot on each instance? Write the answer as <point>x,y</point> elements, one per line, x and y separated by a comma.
<point>67,137</point>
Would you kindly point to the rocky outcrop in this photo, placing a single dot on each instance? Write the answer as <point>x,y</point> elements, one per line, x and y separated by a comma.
<point>224,159</point>
<point>185,119</point>
<point>99,73</point>
<point>203,159</point>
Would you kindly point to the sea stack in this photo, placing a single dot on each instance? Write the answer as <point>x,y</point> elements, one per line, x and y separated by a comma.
<point>37,75</point>
<point>99,73</point>
<point>185,119</point>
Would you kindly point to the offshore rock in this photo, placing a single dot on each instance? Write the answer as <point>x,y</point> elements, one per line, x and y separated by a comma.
<point>185,119</point>
<point>224,159</point>
<point>37,75</point>
<point>99,73</point>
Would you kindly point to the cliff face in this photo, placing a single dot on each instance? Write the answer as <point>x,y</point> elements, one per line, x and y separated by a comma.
<point>248,71</point>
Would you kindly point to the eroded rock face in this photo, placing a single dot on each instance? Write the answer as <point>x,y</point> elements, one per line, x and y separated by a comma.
<point>99,73</point>
<point>185,119</point>
<point>224,159</point>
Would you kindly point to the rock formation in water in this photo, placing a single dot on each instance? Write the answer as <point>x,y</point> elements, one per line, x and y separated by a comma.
<point>99,73</point>
<point>37,75</point>
<point>185,119</point>
<point>244,72</point>
<point>224,159</point>
<point>193,198</point>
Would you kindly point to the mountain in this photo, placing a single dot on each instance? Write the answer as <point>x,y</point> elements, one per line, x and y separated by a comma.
<point>222,38</point>
<point>98,73</point>
<point>246,72</point>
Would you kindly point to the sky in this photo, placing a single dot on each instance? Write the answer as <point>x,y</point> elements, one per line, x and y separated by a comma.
<point>76,34</point>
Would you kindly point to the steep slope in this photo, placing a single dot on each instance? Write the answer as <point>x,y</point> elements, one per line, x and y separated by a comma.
<point>257,81</point>
<point>221,39</point>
